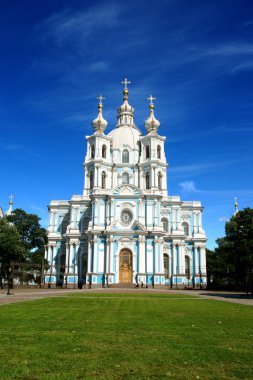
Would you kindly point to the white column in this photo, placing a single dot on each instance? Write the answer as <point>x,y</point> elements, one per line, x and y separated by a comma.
<point>107,265</point>
<point>95,258</point>
<point>111,255</point>
<point>169,222</point>
<point>112,210</point>
<point>157,243</point>
<point>67,258</point>
<point>46,252</point>
<point>76,263</point>
<point>161,256</point>
<point>200,220</point>
<point>53,259</point>
<point>182,259</point>
<point>141,252</point>
<point>55,221</point>
<point>196,264</point>
<point>203,260</point>
<point>77,217</point>
<point>71,258</point>
<point>173,219</point>
<point>86,183</point>
<point>136,178</point>
<point>95,212</point>
<point>174,259</point>
<point>72,218</point>
<point>194,223</point>
<point>99,177</point>
<point>176,217</point>
<point>89,256</point>
<point>50,221</point>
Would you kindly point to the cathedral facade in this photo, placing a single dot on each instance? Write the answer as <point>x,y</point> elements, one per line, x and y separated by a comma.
<point>125,229</point>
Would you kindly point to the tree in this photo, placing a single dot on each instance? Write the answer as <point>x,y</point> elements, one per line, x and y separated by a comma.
<point>11,247</point>
<point>234,254</point>
<point>33,236</point>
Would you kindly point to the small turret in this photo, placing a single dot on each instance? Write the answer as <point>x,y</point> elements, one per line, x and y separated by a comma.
<point>236,206</point>
<point>9,211</point>
<point>125,111</point>
<point>99,124</point>
<point>152,124</point>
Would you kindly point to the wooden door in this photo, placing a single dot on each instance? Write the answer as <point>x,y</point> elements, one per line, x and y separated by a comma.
<point>125,266</point>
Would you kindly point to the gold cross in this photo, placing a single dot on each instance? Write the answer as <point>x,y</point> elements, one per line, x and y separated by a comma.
<point>126,82</point>
<point>151,99</point>
<point>100,98</point>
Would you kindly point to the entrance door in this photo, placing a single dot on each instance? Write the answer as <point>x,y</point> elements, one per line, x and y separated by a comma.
<point>125,266</point>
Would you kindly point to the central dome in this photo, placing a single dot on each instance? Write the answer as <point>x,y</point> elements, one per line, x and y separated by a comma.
<point>125,135</point>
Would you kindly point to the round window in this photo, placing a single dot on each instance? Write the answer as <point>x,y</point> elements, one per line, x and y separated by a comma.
<point>126,217</point>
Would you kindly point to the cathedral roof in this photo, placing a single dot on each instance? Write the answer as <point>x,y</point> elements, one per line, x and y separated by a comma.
<point>125,135</point>
<point>126,132</point>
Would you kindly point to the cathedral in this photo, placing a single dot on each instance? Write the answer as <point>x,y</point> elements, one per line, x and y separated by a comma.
<point>125,230</point>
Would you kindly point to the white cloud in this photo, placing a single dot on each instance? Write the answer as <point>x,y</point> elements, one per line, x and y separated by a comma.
<point>78,26</point>
<point>188,187</point>
<point>223,219</point>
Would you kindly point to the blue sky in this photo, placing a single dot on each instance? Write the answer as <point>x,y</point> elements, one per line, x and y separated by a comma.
<point>195,57</point>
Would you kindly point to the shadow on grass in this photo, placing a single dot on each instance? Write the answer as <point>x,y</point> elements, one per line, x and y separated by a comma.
<point>229,295</point>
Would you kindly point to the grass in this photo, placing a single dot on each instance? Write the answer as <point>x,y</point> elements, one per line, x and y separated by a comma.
<point>126,336</point>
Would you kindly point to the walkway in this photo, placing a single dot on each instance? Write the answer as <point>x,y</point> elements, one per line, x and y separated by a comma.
<point>23,294</point>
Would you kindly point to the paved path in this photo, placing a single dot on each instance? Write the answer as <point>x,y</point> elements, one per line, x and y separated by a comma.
<point>20,295</point>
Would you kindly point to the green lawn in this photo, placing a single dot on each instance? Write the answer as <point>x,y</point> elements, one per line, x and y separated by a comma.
<point>126,336</point>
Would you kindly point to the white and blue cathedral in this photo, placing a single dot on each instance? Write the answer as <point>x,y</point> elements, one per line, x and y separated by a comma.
<point>125,229</point>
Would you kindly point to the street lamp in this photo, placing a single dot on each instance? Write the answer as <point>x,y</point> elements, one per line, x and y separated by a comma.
<point>200,279</point>
<point>8,281</point>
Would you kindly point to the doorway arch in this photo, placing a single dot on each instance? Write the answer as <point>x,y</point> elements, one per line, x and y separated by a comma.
<point>125,266</point>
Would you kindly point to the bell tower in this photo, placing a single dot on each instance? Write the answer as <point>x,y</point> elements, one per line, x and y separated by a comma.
<point>153,160</point>
<point>97,165</point>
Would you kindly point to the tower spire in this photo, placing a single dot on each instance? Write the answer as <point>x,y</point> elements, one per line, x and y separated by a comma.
<point>125,111</point>
<point>125,91</point>
<point>152,124</point>
<point>236,206</point>
<point>99,124</point>
<point>9,211</point>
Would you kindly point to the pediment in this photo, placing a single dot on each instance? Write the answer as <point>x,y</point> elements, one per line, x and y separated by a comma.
<point>127,190</point>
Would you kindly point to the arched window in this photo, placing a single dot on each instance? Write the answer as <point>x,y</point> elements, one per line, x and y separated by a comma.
<point>104,151</point>
<point>91,180</point>
<point>187,266</point>
<point>186,228</point>
<point>147,151</point>
<point>139,147</point>
<point>92,151</point>
<point>166,262</point>
<point>159,177</point>
<point>147,181</point>
<point>158,152</point>
<point>165,224</point>
<point>103,177</point>
<point>125,178</point>
<point>125,156</point>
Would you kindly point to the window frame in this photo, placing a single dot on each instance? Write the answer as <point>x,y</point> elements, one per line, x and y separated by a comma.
<point>125,156</point>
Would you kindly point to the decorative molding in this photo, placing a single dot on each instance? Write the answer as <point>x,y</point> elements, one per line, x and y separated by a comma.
<point>185,217</point>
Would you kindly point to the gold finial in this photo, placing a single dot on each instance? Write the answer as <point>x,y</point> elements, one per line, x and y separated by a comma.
<point>125,91</point>
<point>11,199</point>
<point>151,105</point>
<point>100,104</point>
